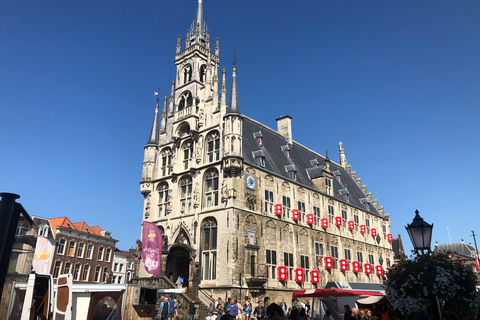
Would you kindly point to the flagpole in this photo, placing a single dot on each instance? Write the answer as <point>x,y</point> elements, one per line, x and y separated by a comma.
<point>475,241</point>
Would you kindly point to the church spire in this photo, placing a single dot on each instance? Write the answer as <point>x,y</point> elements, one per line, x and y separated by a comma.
<point>198,29</point>
<point>153,139</point>
<point>233,107</point>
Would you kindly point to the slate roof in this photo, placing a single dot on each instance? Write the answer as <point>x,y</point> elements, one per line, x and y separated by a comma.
<point>462,249</point>
<point>305,162</point>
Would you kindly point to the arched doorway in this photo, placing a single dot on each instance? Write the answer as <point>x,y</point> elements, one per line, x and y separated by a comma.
<point>178,262</point>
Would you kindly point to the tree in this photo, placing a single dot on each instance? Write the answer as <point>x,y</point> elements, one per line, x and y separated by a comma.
<point>415,283</point>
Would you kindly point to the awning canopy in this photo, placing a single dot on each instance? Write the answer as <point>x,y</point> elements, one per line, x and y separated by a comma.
<point>333,292</point>
<point>370,299</point>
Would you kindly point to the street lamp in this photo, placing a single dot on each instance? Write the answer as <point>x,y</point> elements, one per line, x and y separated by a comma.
<point>420,233</point>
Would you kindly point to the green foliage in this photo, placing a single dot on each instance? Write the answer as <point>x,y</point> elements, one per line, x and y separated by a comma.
<point>411,284</point>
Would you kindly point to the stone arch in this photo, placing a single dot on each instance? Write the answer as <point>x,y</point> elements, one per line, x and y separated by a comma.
<point>185,100</point>
<point>183,129</point>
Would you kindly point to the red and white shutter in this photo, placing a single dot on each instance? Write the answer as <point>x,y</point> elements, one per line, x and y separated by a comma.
<point>299,275</point>
<point>278,209</point>
<point>338,221</point>
<point>368,268</point>
<point>363,229</point>
<point>374,232</point>
<point>325,223</point>
<point>390,237</point>
<point>315,276</point>
<point>356,266</point>
<point>282,273</point>
<point>351,225</point>
<point>295,214</point>
<point>343,265</point>
<point>379,270</point>
<point>310,218</point>
<point>328,263</point>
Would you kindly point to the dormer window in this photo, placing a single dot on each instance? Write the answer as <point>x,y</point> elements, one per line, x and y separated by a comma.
<point>366,202</point>
<point>337,175</point>
<point>286,149</point>
<point>314,163</point>
<point>328,186</point>
<point>69,226</point>
<point>259,157</point>
<point>43,230</point>
<point>292,170</point>
<point>258,137</point>
<point>345,194</point>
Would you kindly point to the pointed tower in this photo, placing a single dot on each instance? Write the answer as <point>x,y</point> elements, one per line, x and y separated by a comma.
<point>149,157</point>
<point>233,122</point>
<point>196,65</point>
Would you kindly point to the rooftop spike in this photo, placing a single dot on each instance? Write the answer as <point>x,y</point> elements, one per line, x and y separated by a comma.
<point>233,107</point>
<point>154,138</point>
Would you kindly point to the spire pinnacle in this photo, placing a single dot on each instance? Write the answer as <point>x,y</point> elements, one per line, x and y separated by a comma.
<point>199,29</point>
<point>154,138</point>
<point>233,107</point>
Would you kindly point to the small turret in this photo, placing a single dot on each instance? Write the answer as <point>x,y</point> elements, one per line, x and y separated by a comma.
<point>153,139</point>
<point>163,125</point>
<point>343,159</point>
<point>171,100</point>
<point>223,92</point>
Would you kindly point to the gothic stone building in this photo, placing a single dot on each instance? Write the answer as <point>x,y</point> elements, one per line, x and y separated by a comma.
<point>245,209</point>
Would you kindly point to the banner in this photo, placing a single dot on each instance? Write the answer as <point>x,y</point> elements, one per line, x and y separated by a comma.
<point>42,260</point>
<point>152,243</point>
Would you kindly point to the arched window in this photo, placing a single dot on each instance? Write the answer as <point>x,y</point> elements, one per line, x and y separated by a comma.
<point>166,168</point>
<point>162,200</point>
<point>209,252</point>
<point>186,194</point>
<point>203,72</point>
<point>187,73</point>
<point>187,154</point>
<point>213,147</point>
<point>186,100</point>
<point>211,188</point>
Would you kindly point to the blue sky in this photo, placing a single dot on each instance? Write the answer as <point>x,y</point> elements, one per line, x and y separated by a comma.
<point>398,82</point>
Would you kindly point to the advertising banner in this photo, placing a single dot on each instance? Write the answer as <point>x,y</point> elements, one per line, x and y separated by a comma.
<point>42,260</point>
<point>152,243</point>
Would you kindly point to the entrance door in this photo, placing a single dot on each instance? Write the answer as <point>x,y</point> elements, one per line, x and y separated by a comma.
<point>178,265</point>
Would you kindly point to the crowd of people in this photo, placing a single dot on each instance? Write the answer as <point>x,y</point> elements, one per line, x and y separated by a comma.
<point>235,310</point>
<point>246,311</point>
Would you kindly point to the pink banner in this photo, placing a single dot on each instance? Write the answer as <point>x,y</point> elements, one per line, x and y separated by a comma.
<point>152,243</point>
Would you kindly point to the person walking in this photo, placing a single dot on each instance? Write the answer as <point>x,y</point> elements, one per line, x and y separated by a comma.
<point>232,308</point>
<point>259,311</point>
<point>247,309</point>
<point>164,308</point>
<point>191,310</point>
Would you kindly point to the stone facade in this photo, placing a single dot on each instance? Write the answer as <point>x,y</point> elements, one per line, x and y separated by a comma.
<point>212,178</point>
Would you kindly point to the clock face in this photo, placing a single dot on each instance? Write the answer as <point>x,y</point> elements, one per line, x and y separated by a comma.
<point>250,181</point>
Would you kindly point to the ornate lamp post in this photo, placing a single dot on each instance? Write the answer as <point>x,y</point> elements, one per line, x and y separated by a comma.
<point>420,233</point>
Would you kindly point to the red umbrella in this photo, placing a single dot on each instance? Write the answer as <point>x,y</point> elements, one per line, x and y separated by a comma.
<point>333,292</point>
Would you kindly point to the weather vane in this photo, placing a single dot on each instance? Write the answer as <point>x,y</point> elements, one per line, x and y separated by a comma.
<point>156,94</point>
<point>234,59</point>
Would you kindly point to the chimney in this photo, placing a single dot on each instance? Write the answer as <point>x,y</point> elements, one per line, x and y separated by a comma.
<point>284,127</point>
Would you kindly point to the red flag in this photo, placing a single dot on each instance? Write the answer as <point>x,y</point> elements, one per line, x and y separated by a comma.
<point>152,243</point>
<point>477,264</point>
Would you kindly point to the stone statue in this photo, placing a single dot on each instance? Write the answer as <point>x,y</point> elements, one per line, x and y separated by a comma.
<point>138,249</point>
<point>196,195</point>
<point>224,190</point>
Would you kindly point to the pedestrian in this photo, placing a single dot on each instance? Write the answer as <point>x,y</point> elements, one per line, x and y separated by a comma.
<point>274,312</point>
<point>219,300</point>
<point>283,305</point>
<point>307,309</point>
<point>354,314</point>
<point>171,308</point>
<point>164,309</point>
<point>347,313</point>
<point>232,308</point>
<point>259,311</point>
<point>326,316</point>
<point>191,310</point>
<point>218,311</point>
<point>247,309</point>
<point>240,311</point>
<point>368,315</point>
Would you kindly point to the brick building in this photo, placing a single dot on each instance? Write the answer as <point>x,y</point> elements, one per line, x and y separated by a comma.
<point>85,252</point>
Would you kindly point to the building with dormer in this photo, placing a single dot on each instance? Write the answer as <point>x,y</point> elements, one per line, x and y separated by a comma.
<point>246,209</point>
